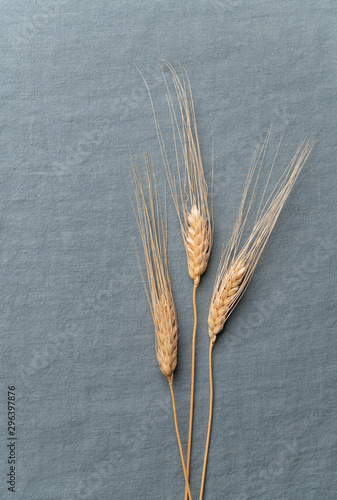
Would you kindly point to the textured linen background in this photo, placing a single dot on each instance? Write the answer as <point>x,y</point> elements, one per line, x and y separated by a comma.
<point>94,417</point>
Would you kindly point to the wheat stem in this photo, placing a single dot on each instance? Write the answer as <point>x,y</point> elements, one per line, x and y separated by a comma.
<point>238,265</point>
<point>189,446</point>
<point>209,419</point>
<point>178,436</point>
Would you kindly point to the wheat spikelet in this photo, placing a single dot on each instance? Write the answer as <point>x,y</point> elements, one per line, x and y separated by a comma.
<point>166,335</point>
<point>224,298</point>
<point>158,289</point>
<point>197,244</point>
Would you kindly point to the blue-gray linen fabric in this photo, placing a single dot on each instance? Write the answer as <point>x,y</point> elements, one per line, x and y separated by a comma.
<point>93,412</point>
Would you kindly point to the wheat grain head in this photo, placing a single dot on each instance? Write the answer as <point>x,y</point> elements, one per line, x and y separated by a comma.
<point>193,211</point>
<point>191,203</point>
<point>237,265</point>
<point>158,289</point>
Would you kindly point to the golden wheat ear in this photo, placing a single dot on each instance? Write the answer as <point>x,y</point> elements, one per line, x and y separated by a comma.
<point>192,202</point>
<point>239,262</point>
<point>152,229</point>
<point>150,221</point>
<point>191,196</point>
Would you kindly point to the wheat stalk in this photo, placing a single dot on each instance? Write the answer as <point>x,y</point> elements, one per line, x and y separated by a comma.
<point>158,289</point>
<point>192,208</point>
<point>238,264</point>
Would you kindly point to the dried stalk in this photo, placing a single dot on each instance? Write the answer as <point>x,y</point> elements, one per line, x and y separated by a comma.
<point>192,210</point>
<point>158,288</point>
<point>238,263</point>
